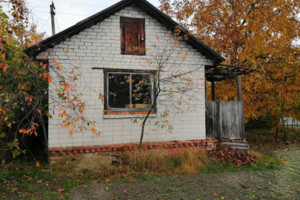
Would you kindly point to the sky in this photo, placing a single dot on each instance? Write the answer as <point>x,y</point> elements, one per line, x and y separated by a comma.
<point>68,12</point>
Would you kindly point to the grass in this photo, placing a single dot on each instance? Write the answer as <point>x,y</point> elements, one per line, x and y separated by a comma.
<point>26,181</point>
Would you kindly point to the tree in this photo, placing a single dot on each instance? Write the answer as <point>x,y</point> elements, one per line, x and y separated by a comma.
<point>176,87</point>
<point>24,84</point>
<point>251,33</point>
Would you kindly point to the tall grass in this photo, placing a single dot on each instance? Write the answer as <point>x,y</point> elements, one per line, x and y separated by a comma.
<point>154,162</point>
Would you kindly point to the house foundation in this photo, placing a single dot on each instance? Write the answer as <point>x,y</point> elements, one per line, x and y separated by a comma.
<point>196,145</point>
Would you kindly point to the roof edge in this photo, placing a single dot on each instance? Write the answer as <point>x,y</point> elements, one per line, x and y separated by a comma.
<point>98,17</point>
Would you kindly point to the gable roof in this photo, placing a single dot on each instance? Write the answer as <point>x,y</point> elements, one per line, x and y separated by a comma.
<point>98,17</point>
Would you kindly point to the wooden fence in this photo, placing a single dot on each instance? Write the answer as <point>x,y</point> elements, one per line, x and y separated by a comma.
<point>225,120</point>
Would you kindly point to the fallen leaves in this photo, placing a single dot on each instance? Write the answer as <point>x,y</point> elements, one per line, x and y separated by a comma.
<point>227,154</point>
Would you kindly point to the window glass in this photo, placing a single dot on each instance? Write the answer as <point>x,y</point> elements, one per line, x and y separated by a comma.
<point>129,91</point>
<point>141,90</point>
<point>118,90</point>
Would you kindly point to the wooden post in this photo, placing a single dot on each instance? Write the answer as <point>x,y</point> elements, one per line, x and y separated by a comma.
<point>239,87</point>
<point>213,97</point>
<point>205,90</point>
<point>52,8</point>
<point>240,99</point>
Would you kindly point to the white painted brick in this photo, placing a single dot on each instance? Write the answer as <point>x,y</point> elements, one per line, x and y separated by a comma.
<point>99,46</point>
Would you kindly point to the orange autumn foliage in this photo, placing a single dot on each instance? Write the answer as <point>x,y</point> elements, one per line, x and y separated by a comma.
<point>259,34</point>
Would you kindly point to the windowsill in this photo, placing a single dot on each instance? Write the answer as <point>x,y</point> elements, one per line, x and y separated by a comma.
<point>122,115</point>
<point>134,54</point>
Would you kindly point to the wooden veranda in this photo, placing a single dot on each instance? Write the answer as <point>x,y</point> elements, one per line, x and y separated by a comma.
<point>225,119</point>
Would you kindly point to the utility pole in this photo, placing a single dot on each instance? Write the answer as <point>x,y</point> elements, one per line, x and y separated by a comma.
<point>52,8</point>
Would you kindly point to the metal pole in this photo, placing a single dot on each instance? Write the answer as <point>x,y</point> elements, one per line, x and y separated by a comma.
<point>52,8</point>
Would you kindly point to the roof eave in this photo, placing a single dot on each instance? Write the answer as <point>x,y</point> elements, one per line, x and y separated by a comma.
<point>98,17</point>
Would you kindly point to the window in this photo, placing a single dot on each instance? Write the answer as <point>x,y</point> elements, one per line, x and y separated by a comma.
<point>133,36</point>
<point>128,90</point>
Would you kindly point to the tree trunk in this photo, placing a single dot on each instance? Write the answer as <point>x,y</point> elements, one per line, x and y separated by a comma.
<point>146,118</point>
<point>46,143</point>
<point>276,135</point>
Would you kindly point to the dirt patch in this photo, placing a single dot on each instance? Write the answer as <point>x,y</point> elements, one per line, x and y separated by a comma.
<point>99,191</point>
<point>283,183</point>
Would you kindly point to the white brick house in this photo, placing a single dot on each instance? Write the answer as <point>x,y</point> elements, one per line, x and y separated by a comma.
<point>95,46</point>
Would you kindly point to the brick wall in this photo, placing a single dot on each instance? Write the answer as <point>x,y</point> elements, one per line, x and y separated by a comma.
<point>99,46</point>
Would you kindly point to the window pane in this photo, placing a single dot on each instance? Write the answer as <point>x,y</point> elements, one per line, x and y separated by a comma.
<point>141,90</point>
<point>118,90</point>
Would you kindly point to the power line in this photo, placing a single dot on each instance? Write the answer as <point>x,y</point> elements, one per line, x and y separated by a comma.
<point>45,23</point>
<point>66,13</point>
<point>74,3</point>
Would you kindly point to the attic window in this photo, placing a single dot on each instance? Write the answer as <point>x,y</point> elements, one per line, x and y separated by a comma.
<point>133,36</point>
<point>128,90</point>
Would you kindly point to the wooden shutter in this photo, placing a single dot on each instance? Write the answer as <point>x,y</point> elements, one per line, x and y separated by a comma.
<point>133,36</point>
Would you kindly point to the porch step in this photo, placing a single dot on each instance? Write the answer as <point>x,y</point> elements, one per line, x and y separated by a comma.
<point>241,145</point>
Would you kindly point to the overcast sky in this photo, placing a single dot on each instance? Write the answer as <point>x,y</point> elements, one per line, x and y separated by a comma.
<point>68,12</point>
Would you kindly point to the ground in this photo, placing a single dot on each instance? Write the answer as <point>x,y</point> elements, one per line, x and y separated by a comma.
<point>270,178</point>
<point>281,183</point>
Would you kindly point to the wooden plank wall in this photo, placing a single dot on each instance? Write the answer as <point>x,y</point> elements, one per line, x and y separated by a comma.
<point>225,120</point>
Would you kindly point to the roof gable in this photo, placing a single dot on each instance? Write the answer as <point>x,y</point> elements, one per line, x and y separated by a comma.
<point>98,17</point>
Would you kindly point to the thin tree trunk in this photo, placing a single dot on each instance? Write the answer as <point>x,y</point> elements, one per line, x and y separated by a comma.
<point>146,118</point>
<point>276,135</point>
<point>46,144</point>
